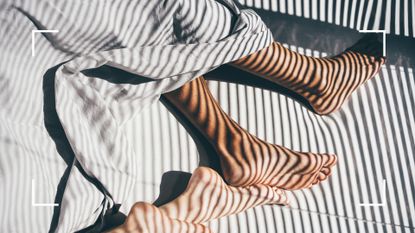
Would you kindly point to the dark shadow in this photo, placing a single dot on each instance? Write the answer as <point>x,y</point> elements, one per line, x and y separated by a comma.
<point>231,74</point>
<point>110,220</point>
<point>173,183</point>
<point>331,38</point>
<point>115,75</point>
<point>52,123</point>
<point>56,132</point>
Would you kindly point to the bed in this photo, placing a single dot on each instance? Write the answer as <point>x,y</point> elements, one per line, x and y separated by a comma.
<point>372,188</point>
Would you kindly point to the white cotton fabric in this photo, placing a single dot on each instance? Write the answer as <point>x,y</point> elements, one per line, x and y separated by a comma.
<point>167,42</point>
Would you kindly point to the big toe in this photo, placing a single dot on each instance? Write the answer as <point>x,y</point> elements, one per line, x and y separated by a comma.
<point>330,160</point>
<point>279,197</point>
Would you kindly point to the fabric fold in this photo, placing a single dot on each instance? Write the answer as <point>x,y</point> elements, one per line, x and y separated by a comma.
<point>149,39</point>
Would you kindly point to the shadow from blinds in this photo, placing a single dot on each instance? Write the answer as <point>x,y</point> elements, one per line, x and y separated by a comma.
<point>396,16</point>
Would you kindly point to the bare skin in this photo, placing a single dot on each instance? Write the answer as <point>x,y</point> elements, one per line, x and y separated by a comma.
<point>326,83</point>
<point>147,218</point>
<point>245,159</point>
<point>206,197</point>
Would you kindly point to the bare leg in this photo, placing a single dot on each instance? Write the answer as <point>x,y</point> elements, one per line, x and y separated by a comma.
<point>324,82</point>
<point>208,197</point>
<point>246,159</point>
<point>146,218</point>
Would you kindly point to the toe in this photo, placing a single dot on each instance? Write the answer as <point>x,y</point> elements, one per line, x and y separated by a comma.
<point>382,60</point>
<point>331,160</point>
<point>316,181</point>
<point>280,197</point>
<point>326,171</point>
<point>376,66</point>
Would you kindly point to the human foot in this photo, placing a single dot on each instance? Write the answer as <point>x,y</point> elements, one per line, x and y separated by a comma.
<point>146,218</point>
<point>344,74</point>
<point>251,161</point>
<point>324,82</point>
<point>245,159</point>
<point>208,197</point>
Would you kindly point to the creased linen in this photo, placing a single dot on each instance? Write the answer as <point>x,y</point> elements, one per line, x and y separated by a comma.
<point>165,43</point>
